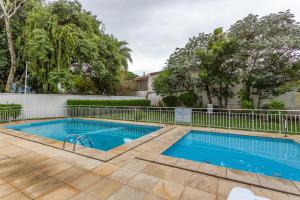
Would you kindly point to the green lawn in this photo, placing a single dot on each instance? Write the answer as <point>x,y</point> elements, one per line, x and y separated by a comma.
<point>259,122</point>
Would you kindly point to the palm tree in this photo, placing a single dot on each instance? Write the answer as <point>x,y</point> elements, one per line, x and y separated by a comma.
<point>125,54</point>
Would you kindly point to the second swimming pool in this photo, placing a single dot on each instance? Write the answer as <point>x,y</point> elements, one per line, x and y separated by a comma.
<point>268,156</point>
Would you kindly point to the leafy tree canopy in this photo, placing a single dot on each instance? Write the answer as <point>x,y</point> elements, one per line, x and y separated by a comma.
<point>261,53</point>
<point>66,47</point>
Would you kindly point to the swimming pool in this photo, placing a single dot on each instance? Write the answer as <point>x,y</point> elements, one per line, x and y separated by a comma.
<point>267,156</point>
<point>103,135</point>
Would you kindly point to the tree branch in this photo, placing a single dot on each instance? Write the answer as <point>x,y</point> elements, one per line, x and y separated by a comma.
<point>15,7</point>
<point>3,9</point>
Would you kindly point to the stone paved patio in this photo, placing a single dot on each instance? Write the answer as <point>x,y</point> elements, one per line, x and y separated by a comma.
<point>29,170</point>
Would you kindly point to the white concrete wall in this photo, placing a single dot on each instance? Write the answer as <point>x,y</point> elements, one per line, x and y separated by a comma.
<point>150,81</point>
<point>141,93</point>
<point>49,104</point>
<point>154,98</point>
<point>291,99</point>
<point>233,103</point>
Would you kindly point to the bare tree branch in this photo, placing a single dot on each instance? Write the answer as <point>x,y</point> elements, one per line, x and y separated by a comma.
<point>16,5</point>
<point>3,8</point>
<point>9,9</point>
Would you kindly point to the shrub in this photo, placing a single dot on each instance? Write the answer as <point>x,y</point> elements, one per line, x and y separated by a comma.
<point>138,102</point>
<point>171,101</point>
<point>276,105</point>
<point>189,99</point>
<point>10,110</point>
<point>247,104</point>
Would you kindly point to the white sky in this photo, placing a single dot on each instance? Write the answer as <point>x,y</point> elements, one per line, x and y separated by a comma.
<point>154,28</point>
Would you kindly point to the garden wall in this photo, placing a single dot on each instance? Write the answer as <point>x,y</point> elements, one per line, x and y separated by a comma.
<point>48,104</point>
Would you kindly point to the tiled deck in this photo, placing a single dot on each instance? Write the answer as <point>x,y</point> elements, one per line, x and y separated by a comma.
<point>29,170</point>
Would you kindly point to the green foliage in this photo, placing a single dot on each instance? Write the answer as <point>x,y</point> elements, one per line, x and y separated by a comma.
<point>245,101</point>
<point>61,81</point>
<point>276,105</point>
<point>61,39</point>
<point>163,84</point>
<point>171,101</point>
<point>218,69</point>
<point>179,74</point>
<point>10,110</point>
<point>127,84</point>
<point>7,106</point>
<point>189,99</point>
<point>247,104</point>
<point>268,48</point>
<point>139,102</point>
<point>131,75</point>
<point>210,56</point>
<point>4,58</point>
<point>262,53</point>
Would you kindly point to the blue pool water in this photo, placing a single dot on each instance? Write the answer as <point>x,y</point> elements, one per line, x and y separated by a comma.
<point>104,135</point>
<point>267,156</point>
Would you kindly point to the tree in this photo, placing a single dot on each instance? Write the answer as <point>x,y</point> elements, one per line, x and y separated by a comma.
<point>180,73</point>
<point>61,81</point>
<point>262,53</point>
<point>61,37</point>
<point>268,48</point>
<point>162,84</point>
<point>205,63</point>
<point>64,43</point>
<point>218,70</point>
<point>4,61</point>
<point>127,83</point>
<point>124,51</point>
<point>8,10</point>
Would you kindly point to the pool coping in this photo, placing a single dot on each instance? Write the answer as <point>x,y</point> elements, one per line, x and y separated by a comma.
<point>86,151</point>
<point>254,179</point>
<point>167,136</point>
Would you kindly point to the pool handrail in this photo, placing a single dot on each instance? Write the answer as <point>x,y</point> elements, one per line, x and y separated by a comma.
<point>80,140</point>
<point>68,136</point>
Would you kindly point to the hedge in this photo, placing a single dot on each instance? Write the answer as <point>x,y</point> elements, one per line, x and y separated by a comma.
<point>10,110</point>
<point>189,99</point>
<point>138,102</point>
<point>171,101</point>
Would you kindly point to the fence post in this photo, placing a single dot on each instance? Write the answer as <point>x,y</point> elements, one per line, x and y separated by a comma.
<point>174,115</point>
<point>229,123</point>
<point>97,112</point>
<point>209,114</point>
<point>147,114</point>
<point>160,115</point>
<point>285,127</point>
<point>279,121</point>
<point>9,113</point>
<point>252,120</point>
<point>23,114</point>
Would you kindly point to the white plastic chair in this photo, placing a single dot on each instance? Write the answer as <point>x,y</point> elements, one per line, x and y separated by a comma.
<point>238,193</point>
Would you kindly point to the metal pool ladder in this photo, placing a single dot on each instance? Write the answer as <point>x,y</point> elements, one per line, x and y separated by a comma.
<point>78,138</point>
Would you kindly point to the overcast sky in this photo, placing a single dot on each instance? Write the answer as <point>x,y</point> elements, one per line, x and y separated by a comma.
<point>154,28</point>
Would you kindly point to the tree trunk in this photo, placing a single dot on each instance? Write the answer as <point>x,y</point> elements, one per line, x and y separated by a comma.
<point>208,94</point>
<point>220,98</point>
<point>226,96</point>
<point>259,99</point>
<point>13,62</point>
